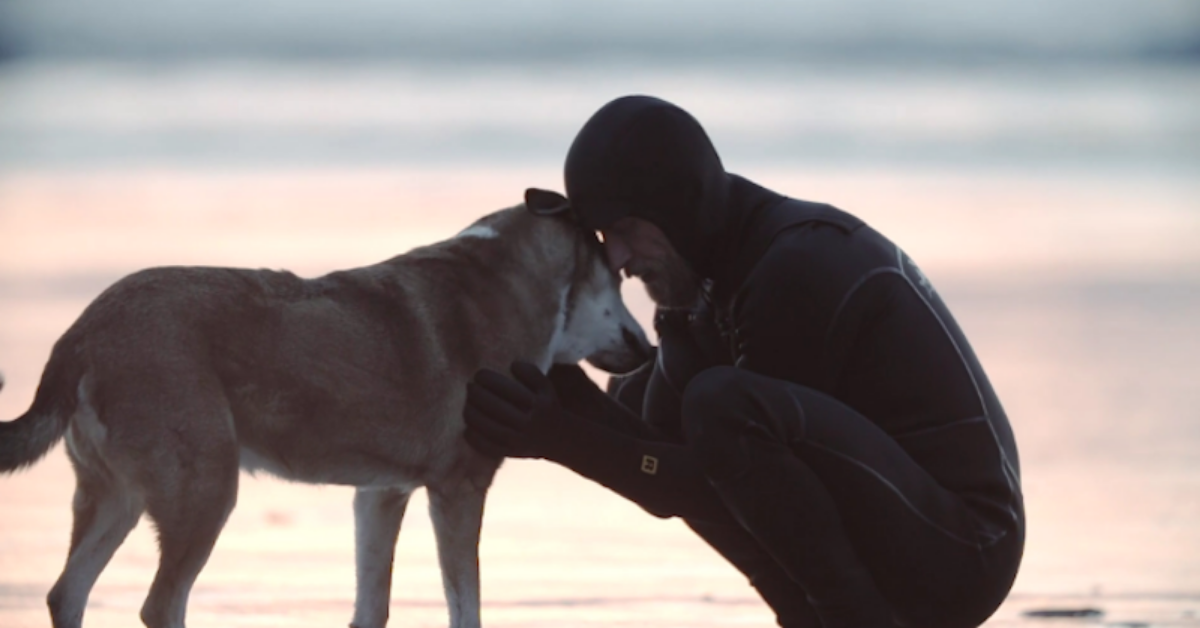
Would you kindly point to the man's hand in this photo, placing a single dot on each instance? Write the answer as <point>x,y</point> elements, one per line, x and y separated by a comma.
<point>517,418</point>
<point>581,397</point>
<point>577,393</point>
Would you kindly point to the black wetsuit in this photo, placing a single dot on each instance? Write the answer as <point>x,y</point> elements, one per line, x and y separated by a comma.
<point>851,388</point>
<point>820,420</point>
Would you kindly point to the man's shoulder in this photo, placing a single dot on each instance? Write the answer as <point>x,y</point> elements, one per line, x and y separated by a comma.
<point>793,211</point>
<point>819,261</point>
<point>812,239</point>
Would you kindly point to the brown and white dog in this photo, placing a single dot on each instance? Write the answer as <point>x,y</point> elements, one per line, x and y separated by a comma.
<point>174,378</point>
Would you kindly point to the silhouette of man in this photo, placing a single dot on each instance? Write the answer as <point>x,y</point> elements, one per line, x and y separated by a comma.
<point>813,411</point>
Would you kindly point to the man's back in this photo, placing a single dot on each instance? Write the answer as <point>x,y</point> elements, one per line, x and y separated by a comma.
<point>833,305</point>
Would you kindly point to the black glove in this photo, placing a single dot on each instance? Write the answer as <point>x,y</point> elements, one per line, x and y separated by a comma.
<point>580,396</point>
<point>519,418</point>
<point>576,391</point>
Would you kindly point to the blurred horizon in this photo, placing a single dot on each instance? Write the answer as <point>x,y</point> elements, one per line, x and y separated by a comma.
<point>1074,85</point>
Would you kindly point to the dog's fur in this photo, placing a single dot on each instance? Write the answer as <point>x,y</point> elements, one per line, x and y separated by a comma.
<point>173,378</point>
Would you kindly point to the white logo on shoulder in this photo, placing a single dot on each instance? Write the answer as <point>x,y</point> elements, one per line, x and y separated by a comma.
<point>907,264</point>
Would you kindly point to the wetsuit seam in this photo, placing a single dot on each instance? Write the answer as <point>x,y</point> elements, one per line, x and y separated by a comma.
<point>766,250</point>
<point>666,377</point>
<point>900,494</point>
<point>803,421</point>
<point>937,428</point>
<point>1010,474</point>
<point>837,313</point>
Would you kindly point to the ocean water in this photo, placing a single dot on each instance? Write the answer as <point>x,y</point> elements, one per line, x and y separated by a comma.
<point>1054,206</point>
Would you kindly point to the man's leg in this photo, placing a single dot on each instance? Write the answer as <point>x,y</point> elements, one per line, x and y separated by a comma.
<point>786,508</point>
<point>774,585</point>
<point>839,504</point>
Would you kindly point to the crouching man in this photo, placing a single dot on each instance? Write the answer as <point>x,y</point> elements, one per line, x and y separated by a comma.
<point>814,412</point>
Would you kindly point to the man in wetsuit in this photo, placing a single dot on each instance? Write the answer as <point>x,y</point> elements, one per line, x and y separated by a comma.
<point>814,412</point>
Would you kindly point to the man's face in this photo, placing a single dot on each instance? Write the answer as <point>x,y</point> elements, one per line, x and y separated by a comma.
<point>641,249</point>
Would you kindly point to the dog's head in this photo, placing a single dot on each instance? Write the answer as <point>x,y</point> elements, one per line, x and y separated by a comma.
<point>594,323</point>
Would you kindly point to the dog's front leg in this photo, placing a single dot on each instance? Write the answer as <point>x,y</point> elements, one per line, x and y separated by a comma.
<point>457,513</point>
<point>377,516</point>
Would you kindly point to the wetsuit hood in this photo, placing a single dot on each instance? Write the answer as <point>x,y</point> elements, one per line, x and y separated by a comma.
<point>644,157</point>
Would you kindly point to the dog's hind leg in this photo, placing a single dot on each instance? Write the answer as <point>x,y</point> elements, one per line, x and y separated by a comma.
<point>457,513</point>
<point>105,511</point>
<point>377,517</point>
<point>188,519</point>
<point>191,487</point>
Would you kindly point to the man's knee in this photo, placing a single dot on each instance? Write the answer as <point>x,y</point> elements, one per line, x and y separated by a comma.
<point>722,419</point>
<point>724,401</point>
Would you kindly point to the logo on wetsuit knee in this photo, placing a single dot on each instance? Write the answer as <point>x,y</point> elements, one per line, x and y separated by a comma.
<point>649,465</point>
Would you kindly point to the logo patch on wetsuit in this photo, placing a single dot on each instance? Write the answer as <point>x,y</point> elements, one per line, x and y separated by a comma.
<point>922,280</point>
<point>649,465</point>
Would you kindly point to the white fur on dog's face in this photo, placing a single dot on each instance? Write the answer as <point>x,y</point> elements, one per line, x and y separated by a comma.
<point>595,324</point>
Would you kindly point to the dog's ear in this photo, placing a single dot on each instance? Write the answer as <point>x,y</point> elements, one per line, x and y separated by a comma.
<point>545,202</point>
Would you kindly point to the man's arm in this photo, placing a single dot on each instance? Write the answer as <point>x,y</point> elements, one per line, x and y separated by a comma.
<point>646,403</point>
<point>524,418</point>
<point>784,310</point>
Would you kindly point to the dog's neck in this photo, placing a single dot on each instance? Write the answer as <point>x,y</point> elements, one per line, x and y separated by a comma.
<point>547,251</point>
<point>517,269</point>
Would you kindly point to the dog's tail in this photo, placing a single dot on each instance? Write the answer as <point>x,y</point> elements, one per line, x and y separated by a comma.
<point>30,436</point>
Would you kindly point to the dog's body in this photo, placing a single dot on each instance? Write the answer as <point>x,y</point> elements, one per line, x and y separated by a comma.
<point>174,378</point>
